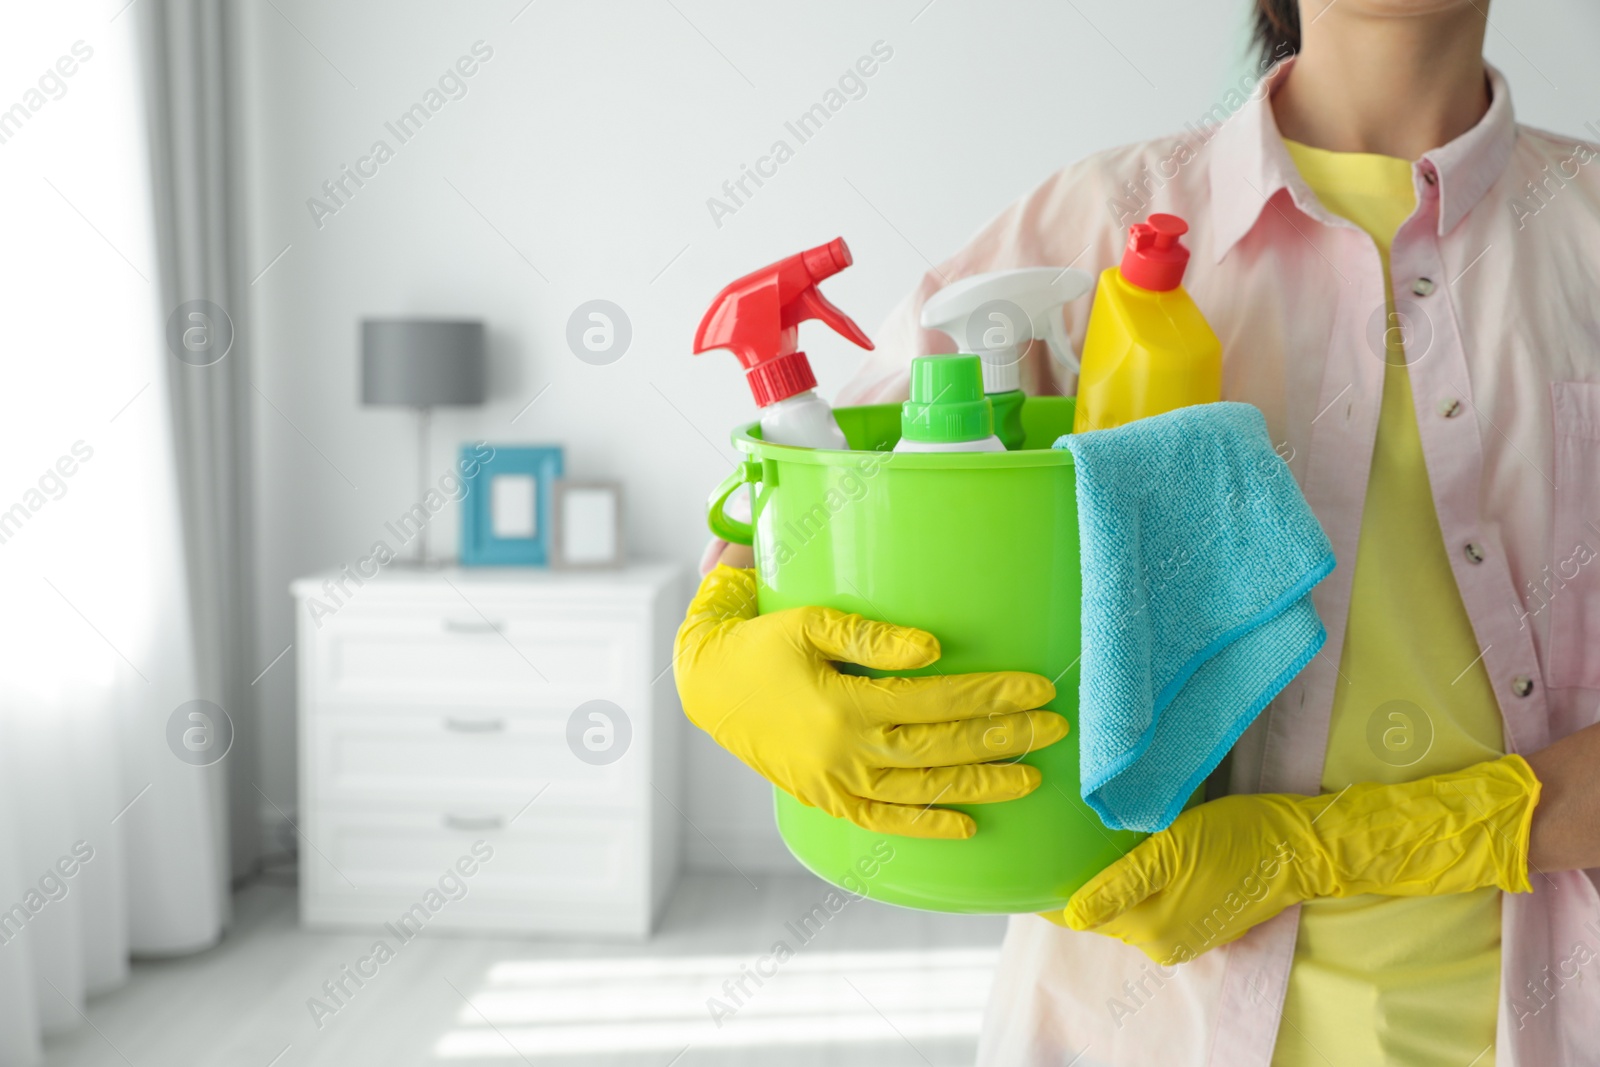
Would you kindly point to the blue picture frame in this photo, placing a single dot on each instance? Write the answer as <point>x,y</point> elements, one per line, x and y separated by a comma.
<point>519,540</point>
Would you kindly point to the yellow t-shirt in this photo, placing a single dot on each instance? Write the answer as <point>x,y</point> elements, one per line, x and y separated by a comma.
<point>1395,980</point>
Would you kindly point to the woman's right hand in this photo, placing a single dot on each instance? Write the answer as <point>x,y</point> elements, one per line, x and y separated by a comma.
<point>877,751</point>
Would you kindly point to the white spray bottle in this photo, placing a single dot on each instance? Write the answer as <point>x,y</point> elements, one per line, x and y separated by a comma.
<point>995,316</point>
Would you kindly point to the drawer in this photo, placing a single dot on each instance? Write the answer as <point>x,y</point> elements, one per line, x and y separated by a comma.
<point>388,861</point>
<point>436,657</point>
<point>463,758</point>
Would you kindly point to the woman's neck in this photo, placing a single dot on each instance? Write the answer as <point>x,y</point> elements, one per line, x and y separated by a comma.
<point>1386,84</point>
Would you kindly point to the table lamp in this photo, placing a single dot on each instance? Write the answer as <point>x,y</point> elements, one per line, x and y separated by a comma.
<point>421,364</point>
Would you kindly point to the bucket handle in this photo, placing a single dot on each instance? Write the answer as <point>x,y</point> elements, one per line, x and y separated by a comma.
<point>724,526</point>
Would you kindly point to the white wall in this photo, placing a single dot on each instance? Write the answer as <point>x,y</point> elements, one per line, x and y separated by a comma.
<point>587,146</point>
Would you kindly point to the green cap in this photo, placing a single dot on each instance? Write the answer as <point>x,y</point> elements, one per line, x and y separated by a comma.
<point>947,402</point>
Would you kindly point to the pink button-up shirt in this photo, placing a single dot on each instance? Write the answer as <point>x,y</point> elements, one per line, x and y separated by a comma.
<point>1497,282</point>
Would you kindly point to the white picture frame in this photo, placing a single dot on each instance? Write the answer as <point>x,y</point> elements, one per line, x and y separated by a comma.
<point>587,525</point>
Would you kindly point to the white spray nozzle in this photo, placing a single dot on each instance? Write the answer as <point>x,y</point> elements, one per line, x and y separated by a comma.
<point>996,315</point>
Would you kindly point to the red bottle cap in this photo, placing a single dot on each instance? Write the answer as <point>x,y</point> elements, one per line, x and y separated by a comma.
<point>780,377</point>
<point>758,318</point>
<point>1155,259</point>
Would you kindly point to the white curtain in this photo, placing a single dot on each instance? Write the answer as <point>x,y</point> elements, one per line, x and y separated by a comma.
<point>110,844</point>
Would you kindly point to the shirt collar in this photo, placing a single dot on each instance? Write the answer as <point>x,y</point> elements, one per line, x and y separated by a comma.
<point>1249,164</point>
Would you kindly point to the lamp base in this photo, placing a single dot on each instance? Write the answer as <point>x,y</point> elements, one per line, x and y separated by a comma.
<point>422,560</point>
<point>421,566</point>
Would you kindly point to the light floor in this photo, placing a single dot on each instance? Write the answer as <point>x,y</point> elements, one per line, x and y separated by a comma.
<point>874,985</point>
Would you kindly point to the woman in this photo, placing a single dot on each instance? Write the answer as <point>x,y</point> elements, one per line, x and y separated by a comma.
<point>1403,280</point>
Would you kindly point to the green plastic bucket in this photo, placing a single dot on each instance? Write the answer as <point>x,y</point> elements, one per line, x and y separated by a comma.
<point>979,549</point>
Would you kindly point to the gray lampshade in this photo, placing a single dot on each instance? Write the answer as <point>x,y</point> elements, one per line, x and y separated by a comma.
<point>421,362</point>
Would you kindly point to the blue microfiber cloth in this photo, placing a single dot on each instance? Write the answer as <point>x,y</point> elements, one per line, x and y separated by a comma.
<point>1199,554</point>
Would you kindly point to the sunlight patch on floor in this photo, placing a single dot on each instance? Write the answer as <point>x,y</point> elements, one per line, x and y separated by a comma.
<point>529,1008</point>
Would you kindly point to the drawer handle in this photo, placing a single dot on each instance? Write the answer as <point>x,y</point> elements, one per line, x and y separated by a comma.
<point>474,726</point>
<point>473,626</point>
<point>472,822</point>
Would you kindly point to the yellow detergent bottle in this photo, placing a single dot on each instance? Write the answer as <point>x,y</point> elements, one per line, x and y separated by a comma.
<point>1148,349</point>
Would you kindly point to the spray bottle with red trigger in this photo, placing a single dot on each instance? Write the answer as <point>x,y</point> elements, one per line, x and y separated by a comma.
<point>758,318</point>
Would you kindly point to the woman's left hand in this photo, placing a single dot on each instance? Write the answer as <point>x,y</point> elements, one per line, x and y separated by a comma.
<point>1223,867</point>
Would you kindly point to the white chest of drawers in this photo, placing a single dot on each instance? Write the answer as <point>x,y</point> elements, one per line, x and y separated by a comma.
<point>528,710</point>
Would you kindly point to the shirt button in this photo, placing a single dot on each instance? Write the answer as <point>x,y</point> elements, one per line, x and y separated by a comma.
<point>1474,551</point>
<point>1522,685</point>
<point>1422,286</point>
<point>1449,407</point>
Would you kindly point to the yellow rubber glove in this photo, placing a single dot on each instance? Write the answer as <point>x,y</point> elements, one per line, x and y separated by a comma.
<point>1223,867</point>
<point>876,751</point>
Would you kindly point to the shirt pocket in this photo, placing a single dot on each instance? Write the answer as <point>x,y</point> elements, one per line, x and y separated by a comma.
<point>1574,585</point>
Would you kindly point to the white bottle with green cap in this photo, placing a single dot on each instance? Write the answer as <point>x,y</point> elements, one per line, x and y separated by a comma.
<point>997,315</point>
<point>947,411</point>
